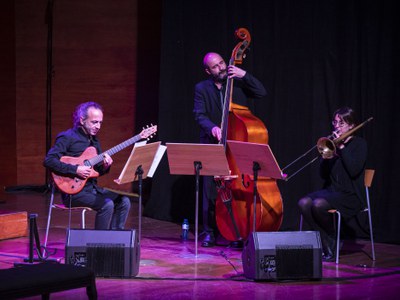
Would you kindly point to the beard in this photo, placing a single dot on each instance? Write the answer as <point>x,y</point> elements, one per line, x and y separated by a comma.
<point>221,76</point>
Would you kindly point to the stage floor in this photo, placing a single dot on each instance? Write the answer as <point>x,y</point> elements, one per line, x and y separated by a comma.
<point>170,268</point>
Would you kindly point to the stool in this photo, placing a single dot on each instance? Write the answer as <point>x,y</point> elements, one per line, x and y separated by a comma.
<point>45,278</point>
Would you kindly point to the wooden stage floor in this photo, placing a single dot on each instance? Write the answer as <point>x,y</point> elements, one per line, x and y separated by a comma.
<point>169,268</point>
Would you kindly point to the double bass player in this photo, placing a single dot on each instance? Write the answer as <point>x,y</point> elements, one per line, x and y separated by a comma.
<point>208,110</point>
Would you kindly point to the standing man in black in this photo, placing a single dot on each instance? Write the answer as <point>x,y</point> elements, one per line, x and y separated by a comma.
<point>208,107</point>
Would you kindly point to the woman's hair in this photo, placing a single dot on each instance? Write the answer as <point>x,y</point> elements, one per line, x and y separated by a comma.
<point>346,114</point>
<point>81,111</point>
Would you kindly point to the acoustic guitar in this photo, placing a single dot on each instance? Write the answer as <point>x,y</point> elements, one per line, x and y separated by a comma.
<point>89,157</point>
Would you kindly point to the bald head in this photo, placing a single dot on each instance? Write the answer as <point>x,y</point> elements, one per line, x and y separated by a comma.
<point>215,66</point>
<point>211,57</point>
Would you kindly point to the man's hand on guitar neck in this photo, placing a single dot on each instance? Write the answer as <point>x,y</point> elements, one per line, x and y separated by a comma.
<point>107,161</point>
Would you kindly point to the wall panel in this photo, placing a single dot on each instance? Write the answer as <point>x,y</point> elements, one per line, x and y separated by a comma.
<point>94,58</point>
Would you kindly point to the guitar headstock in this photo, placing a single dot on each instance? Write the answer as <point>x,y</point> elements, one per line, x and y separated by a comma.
<point>148,132</point>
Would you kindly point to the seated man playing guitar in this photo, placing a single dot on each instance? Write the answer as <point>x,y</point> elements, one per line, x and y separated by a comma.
<point>77,143</point>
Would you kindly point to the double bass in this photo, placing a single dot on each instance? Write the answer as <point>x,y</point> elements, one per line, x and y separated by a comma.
<point>235,200</point>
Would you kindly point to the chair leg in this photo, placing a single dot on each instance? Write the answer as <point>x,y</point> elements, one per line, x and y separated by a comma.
<point>69,211</point>
<point>371,234</point>
<point>338,235</point>
<point>83,218</point>
<point>338,228</point>
<point>48,219</point>
<point>301,223</point>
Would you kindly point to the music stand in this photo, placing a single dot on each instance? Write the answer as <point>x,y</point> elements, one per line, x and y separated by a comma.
<point>256,159</point>
<point>141,160</point>
<point>197,159</point>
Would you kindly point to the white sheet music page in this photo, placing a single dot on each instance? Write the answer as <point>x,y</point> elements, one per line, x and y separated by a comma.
<point>157,158</point>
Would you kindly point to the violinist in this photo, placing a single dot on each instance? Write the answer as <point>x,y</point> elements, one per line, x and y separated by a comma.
<point>208,109</point>
<point>343,188</point>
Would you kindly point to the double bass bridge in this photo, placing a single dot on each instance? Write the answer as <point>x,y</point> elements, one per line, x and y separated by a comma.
<point>224,187</point>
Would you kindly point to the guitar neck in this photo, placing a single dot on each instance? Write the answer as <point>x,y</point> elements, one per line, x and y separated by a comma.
<point>97,159</point>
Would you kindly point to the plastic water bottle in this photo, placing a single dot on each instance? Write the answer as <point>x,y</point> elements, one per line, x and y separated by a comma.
<point>185,230</point>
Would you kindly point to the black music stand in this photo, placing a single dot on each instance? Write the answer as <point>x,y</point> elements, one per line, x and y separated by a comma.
<point>256,159</point>
<point>141,160</point>
<point>197,159</point>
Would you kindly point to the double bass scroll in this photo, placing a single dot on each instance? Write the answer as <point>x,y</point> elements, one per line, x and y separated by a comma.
<point>238,54</point>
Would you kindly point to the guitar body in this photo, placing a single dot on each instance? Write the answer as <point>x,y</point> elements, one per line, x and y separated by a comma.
<point>73,185</point>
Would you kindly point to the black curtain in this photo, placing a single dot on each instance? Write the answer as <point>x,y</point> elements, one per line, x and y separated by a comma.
<point>313,56</point>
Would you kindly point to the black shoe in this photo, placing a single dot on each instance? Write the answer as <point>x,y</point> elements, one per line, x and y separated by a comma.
<point>236,245</point>
<point>209,240</point>
<point>328,257</point>
<point>329,249</point>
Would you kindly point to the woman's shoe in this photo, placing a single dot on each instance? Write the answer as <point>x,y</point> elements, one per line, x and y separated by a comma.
<point>329,257</point>
<point>329,249</point>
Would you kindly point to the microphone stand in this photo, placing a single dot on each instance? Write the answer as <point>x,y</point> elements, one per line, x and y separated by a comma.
<point>256,168</point>
<point>139,173</point>
<point>33,236</point>
<point>197,166</point>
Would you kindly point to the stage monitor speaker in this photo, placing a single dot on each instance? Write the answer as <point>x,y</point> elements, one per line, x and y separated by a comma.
<point>109,253</point>
<point>283,255</point>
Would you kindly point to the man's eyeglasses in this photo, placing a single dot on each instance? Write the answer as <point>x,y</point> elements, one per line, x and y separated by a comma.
<point>340,123</point>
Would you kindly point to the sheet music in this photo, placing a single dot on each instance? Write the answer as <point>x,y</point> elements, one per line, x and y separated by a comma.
<point>139,144</point>
<point>149,160</point>
<point>246,154</point>
<point>157,158</point>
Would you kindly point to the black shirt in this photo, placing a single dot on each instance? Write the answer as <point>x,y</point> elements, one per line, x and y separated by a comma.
<point>207,102</point>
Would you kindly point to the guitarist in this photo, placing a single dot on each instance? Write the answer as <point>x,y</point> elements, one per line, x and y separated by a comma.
<point>112,209</point>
